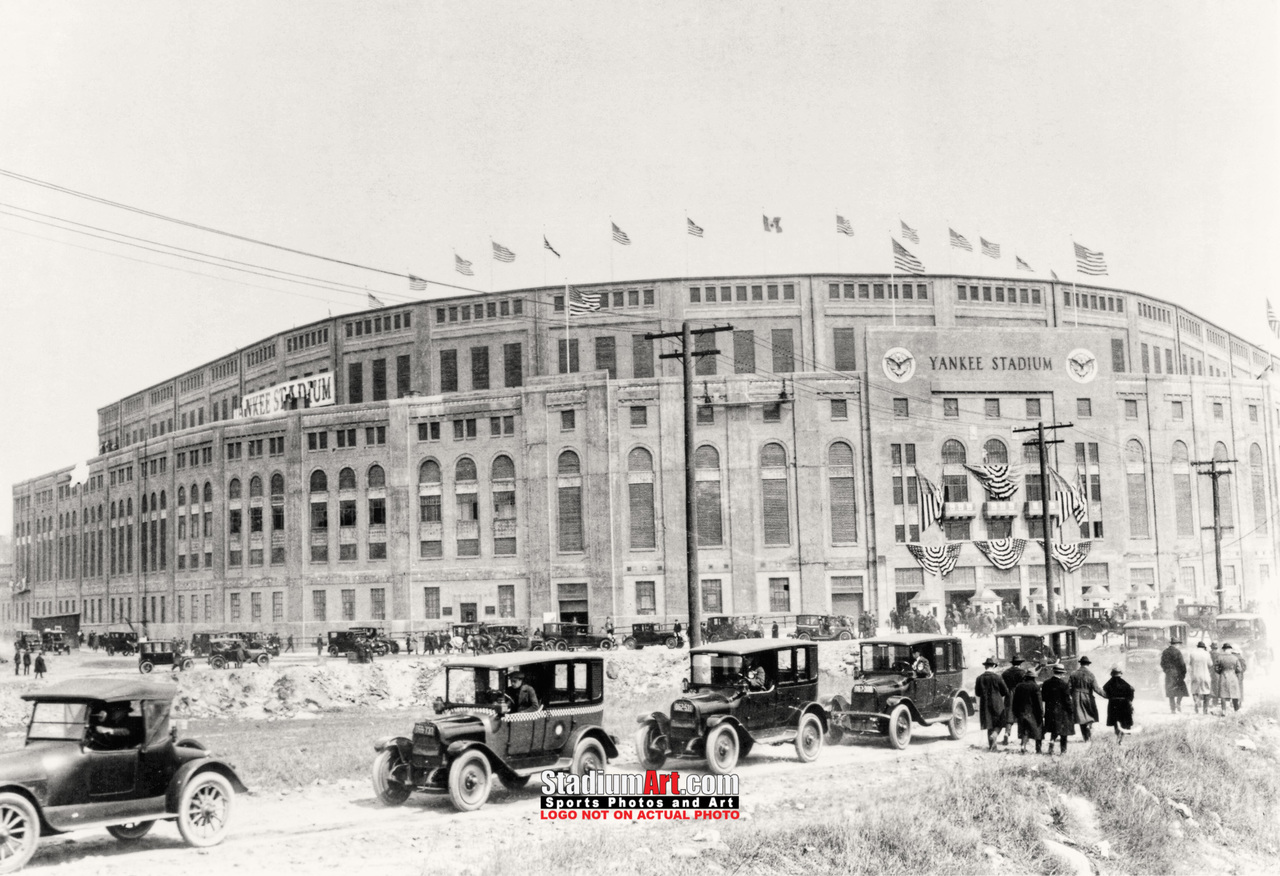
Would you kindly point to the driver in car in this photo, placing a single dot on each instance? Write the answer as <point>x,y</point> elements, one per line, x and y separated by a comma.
<point>524,696</point>
<point>754,675</point>
<point>920,665</point>
<point>110,729</point>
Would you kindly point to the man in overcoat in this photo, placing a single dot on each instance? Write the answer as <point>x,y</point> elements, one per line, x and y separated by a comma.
<point>1174,666</point>
<point>1083,686</point>
<point>991,693</point>
<point>1199,667</point>
<point>1119,703</point>
<point>1059,717</point>
<point>1012,677</point>
<point>1028,710</point>
<point>1231,669</point>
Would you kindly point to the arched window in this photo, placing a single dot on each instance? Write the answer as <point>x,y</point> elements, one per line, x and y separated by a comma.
<point>255,487</point>
<point>142,500</point>
<point>163,504</point>
<point>277,484</point>
<point>639,459</point>
<point>568,464</point>
<point>1136,483</point>
<point>953,452</point>
<point>346,479</point>
<point>377,477</point>
<point>503,469</point>
<point>153,502</point>
<point>208,492</point>
<point>569,506</point>
<point>707,506</point>
<point>319,482</point>
<point>706,457</point>
<point>465,471</point>
<point>429,472</point>
<point>775,505</point>
<point>640,494</point>
<point>1181,458</point>
<point>113,511</point>
<point>1257,480</point>
<point>128,506</point>
<point>195,494</point>
<point>233,489</point>
<point>1184,507</point>
<point>844,523</point>
<point>182,496</point>
<point>994,452</point>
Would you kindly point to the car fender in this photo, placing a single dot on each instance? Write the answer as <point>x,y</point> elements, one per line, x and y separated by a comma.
<point>836,703</point>
<point>732,720</point>
<point>190,769</point>
<point>592,731</point>
<point>659,718</point>
<point>458,748</point>
<point>892,703</point>
<point>795,713</point>
<point>965,697</point>
<point>402,743</point>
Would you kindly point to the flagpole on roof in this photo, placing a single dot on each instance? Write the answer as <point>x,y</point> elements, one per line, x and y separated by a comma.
<point>893,299</point>
<point>611,239</point>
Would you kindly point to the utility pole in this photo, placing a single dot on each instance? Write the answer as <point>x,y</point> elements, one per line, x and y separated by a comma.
<point>686,356</point>
<point>1214,472</point>
<point>1040,442</point>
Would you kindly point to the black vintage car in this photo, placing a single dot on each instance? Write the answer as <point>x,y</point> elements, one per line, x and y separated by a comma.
<point>231,650</point>
<point>825,627</point>
<point>567,637</point>
<point>1091,622</point>
<point>1041,646</point>
<point>119,642</point>
<point>346,641</point>
<point>478,730</point>
<point>55,641</point>
<point>738,694</point>
<point>163,653</point>
<point>889,695</point>
<point>1198,615</point>
<point>508,637</point>
<point>643,635</point>
<point>100,753</point>
<point>1144,645</point>
<point>722,628</point>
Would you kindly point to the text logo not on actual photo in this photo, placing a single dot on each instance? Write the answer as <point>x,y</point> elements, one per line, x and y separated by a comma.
<point>899,365</point>
<point>1082,365</point>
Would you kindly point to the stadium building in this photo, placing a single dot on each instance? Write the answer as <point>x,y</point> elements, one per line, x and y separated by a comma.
<point>494,457</point>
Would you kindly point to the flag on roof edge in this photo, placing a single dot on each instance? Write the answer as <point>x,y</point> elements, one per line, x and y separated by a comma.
<point>548,246</point>
<point>620,236</point>
<point>417,284</point>
<point>843,226</point>
<point>462,266</point>
<point>374,301</point>
<point>501,253</point>
<point>990,249</point>
<point>1022,266</point>
<point>693,227</point>
<point>958,240</point>
<point>909,233</point>
<point>904,260</point>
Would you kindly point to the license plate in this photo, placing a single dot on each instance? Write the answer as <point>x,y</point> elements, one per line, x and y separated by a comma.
<point>682,707</point>
<point>862,688</point>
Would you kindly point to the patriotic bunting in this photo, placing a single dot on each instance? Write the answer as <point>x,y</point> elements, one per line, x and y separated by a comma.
<point>1071,556</point>
<point>930,503</point>
<point>938,560</point>
<point>1070,497</point>
<point>959,242</point>
<point>995,480</point>
<point>1004,553</point>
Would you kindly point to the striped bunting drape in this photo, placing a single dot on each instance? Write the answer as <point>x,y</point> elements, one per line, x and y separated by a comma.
<point>1071,556</point>
<point>995,480</point>
<point>936,560</point>
<point>1004,553</point>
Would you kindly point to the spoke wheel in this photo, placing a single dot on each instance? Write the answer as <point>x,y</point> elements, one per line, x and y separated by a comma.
<point>650,754</point>
<point>959,722</point>
<point>186,664</point>
<point>673,642</point>
<point>388,790</point>
<point>469,781</point>
<point>562,645</point>
<point>145,667</point>
<point>205,809</point>
<point>809,738</point>
<point>606,644</point>
<point>722,749</point>
<point>845,636</point>
<point>900,727</point>
<point>218,662</point>
<point>131,832</point>
<point>588,755</point>
<point>19,832</point>
<point>629,643</point>
<point>263,660</point>
<point>333,650</point>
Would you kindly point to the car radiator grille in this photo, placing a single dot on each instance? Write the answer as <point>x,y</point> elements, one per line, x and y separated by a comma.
<point>863,702</point>
<point>426,744</point>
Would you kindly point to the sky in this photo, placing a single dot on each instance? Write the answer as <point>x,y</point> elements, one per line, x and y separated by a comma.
<point>394,135</point>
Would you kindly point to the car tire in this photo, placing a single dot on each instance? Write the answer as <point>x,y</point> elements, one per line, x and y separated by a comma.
<point>588,755</point>
<point>145,667</point>
<point>845,636</point>
<point>672,642</point>
<point>722,749</point>
<point>204,809</point>
<point>647,754</point>
<point>562,645</point>
<point>263,660</point>
<point>809,738</point>
<point>1086,632</point>
<point>21,832</point>
<point>501,649</point>
<point>607,644</point>
<point>959,722</point>
<point>218,662</point>
<point>900,727</point>
<point>131,832</point>
<point>395,647</point>
<point>388,791</point>
<point>469,777</point>
<point>629,643</point>
<point>186,664</point>
<point>333,651</point>
<point>804,637</point>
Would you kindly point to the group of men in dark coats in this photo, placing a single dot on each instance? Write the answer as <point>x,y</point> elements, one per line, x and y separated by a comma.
<point>1054,708</point>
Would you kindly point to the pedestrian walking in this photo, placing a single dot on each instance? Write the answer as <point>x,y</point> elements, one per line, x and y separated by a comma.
<point>1174,666</point>
<point>1231,668</point>
<point>409,645</point>
<point>775,629</point>
<point>40,667</point>
<point>17,658</point>
<point>1199,669</point>
<point>1059,716</point>
<point>991,692</point>
<point>288,643</point>
<point>1012,677</point>
<point>608,626</point>
<point>26,662</point>
<point>1215,677</point>
<point>319,645</point>
<point>1028,710</point>
<point>1119,703</point>
<point>1084,686</point>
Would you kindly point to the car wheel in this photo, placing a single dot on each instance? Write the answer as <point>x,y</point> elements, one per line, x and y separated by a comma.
<point>205,809</point>
<point>900,727</point>
<point>629,643</point>
<point>263,660</point>
<point>607,644</point>
<point>648,753</point>
<point>19,832</point>
<point>722,749</point>
<point>333,651</point>
<point>501,649</point>
<point>512,782</point>
<point>672,642</point>
<point>218,662</point>
<point>959,722</point>
<point>804,637</point>
<point>744,748</point>
<point>131,832</point>
<point>562,645</point>
<point>395,647</point>
<point>469,781</point>
<point>845,636</point>
<point>588,755</point>
<point>186,664</point>
<point>388,791</point>
<point>145,667</point>
<point>1086,632</point>
<point>809,738</point>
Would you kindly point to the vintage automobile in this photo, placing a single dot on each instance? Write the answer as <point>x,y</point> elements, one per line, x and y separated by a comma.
<point>1247,633</point>
<point>478,731</point>
<point>1198,615</point>
<point>154,653</point>
<point>889,695</point>
<point>200,642</point>
<point>737,694</point>
<point>55,641</point>
<point>268,643</point>
<point>722,628</point>
<point>222,653</point>
<point>346,641</point>
<point>1040,645</point>
<point>508,637</point>
<point>825,627</point>
<point>100,753</point>
<point>119,642</point>
<point>559,636</point>
<point>1092,622</point>
<point>29,639</point>
<point>1144,641</point>
<point>643,635</point>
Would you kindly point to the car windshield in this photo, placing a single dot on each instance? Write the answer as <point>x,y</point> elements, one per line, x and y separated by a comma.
<point>880,657</point>
<point>470,686</point>
<point>1234,626</point>
<point>58,721</point>
<point>1025,646</point>
<point>716,670</point>
<point>1146,637</point>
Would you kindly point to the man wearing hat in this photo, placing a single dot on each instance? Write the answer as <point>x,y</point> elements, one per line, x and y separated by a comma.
<point>1215,676</point>
<point>1199,666</point>
<point>524,696</point>
<point>1231,669</point>
<point>1028,710</point>
<point>1059,717</point>
<point>991,693</point>
<point>1174,666</point>
<point>1119,703</point>
<point>1012,677</point>
<point>1083,686</point>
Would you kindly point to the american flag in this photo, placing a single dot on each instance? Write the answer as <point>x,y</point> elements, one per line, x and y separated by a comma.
<point>620,236</point>
<point>1272,322</point>
<point>694,228</point>
<point>1022,266</point>
<point>930,503</point>
<point>583,302</point>
<point>843,226</point>
<point>548,246</point>
<point>375,301</point>
<point>501,253</point>
<point>995,480</point>
<point>1070,498</point>
<point>1054,274</point>
<point>1090,262</point>
<point>462,266</point>
<point>990,249</point>
<point>909,233</point>
<point>417,284</point>
<point>959,242</point>
<point>905,261</point>
<point>774,224</point>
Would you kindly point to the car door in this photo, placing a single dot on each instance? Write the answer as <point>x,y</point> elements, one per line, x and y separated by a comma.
<point>113,774</point>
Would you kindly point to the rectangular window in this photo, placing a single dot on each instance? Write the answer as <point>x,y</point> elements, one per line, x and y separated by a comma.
<point>712,601</point>
<point>255,519</point>
<point>706,415</point>
<point>844,528</point>
<point>319,516</point>
<point>744,352</point>
<point>900,408</point>
<point>1131,409</point>
<point>377,512</point>
<point>992,408</point>
<point>843,343</point>
<point>347,513</point>
<point>643,530</point>
<point>448,370</point>
<point>1177,410</point>
<point>639,416</point>
<point>775,511</point>
<point>255,607</point>
<point>783,352</point>
<point>569,518</point>
<point>378,603</point>
<point>950,407</point>
<point>704,365</point>
<point>1117,355</point>
<point>506,600</point>
<point>479,367</point>
<point>1146,359</point>
<point>1253,413</point>
<point>780,595</point>
<point>355,382</point>
<point>1084,407</point>
<point>568,353</point>
<point>1168,361</point>
<point>348,605</point>
<point>839,409</point>
<point>379,379</point>
<point>1217,410</point>
<point>431,602</point>
<point>641,357</point>
<point>568,420</point>
<point>512,365</point>
<point>646,597</point>
<point>607,356</point>
<point>1033,407</point>
<point>403,376</point>
<point>347,552</point>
